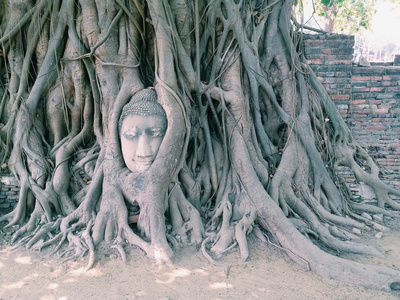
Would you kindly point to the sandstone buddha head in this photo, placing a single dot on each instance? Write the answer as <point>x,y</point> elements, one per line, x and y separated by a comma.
<point>142,127</point>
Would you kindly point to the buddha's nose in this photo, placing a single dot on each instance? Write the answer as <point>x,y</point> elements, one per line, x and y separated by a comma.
<point>144,147</point>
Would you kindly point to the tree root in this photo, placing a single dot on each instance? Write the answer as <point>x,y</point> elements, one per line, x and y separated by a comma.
<point>206,255</point>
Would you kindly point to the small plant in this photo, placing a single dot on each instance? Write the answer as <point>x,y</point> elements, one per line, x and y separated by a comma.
<point>38,223</point>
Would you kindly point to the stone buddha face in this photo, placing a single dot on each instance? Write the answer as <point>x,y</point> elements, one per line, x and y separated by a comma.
<point>142,127</point>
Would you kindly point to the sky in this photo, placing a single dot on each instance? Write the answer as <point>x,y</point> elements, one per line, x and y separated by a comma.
<point>386,23</point>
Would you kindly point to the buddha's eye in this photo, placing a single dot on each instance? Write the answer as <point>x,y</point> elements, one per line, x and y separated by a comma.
<point>155,132</point>
<point>130,134</point>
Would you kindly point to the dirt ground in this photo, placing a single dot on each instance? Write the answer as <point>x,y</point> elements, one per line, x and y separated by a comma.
<point>268,274</point>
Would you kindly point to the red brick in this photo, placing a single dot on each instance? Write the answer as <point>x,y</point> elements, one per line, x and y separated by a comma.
<point>340,97</point>
<point>338,62</point>
<point>387,83</point>
<point>377,89</point>
<point>375,101</point>
<point>361,78</point>
<point>342,107</point>
<point>392,89</point>
<point>363,110</point>
<point>342,74</point>
<point>366,78</point>
<point>375,127</point>
<point>335,80</point>
<point>357,101</point>
<point>332,56</point>
<point>384,96</point>
<point>314,62</point>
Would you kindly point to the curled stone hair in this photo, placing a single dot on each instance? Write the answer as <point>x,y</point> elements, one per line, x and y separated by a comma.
<point>143,103</point>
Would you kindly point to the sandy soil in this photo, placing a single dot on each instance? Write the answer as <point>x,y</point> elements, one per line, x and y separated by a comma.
<point>268,274</point>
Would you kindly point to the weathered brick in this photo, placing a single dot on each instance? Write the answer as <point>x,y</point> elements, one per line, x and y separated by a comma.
<point>324,73</point>
<point>340,97</point>
<point>392,89</point>
<point>330,43</point>
<point>366,78</point>
<point>375,127</point>
<point>343,74</point>
<point>342,107</point>
<point>357,101</point>
<point>377,89</point>
<point>359,71</point>
<point>333,68</point>
<point>315,62</point>
<point>361,89</point>
<point>313,50</point>
<point>375,101</point>
<point>339,62</point>
<point>381,110</point>
<point>393,70</point>
<point>384,96</point>
<point>335,80</point>
<point>357,96</point>
<point>388,83</point>
<point>330,57</point>
<point>339,50</point>
<point>5,205</point>
<point>340,86</point>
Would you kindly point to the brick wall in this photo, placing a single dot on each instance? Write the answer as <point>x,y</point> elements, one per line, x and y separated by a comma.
<point>367,97</point>
<point>374,112</point>
<point>9,193</point>
<point>331,58</point>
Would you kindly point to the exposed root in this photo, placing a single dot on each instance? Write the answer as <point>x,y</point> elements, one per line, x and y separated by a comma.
<point>121,250</point>
<point>89,242</point>
<point>206,255</point>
